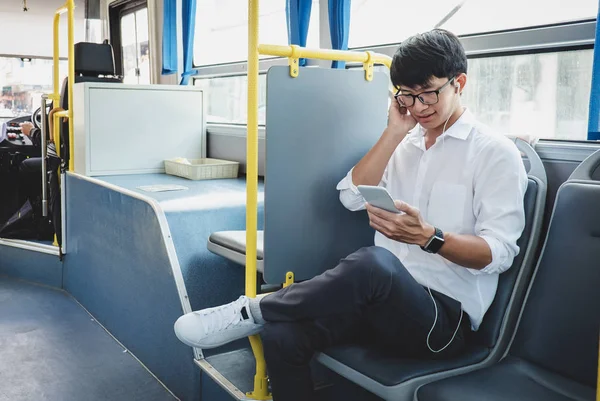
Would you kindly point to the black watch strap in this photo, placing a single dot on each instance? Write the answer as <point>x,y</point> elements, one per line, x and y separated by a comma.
<point>435,242</point>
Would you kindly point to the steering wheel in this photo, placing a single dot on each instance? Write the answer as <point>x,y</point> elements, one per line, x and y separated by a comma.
<point>36,118</point>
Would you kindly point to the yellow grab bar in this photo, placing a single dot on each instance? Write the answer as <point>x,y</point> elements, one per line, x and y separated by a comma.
<point>260,378</point>
<point>56,129</point>
<point>324,54</point>
<point>69,8</point>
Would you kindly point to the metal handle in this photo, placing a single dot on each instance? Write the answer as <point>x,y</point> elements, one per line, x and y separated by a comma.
<point>44,156</point>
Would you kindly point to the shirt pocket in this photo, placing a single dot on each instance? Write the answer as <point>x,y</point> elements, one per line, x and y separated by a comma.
<point>446,206</point>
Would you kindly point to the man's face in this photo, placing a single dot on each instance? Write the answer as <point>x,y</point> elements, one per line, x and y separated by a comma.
<point>440,97</point>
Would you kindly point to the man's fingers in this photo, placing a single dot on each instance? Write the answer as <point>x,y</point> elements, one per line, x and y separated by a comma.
<point>406,208</point>
<point>384,214</point>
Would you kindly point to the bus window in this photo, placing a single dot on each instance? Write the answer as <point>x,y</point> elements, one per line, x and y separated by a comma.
<point>222,29</point>
<point>24,80</point>
<point>546,94</point>
<point>226,99</point>
<point>134,45</point>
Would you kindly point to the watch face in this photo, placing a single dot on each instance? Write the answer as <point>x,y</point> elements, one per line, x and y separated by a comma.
<point>436,244</point>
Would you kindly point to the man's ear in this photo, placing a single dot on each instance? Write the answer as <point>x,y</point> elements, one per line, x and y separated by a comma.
<point>460,82</point>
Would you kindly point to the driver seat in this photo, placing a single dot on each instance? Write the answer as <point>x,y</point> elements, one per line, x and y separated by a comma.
<point>94,62</point>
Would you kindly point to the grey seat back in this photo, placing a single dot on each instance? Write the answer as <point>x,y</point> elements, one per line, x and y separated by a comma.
<point>559,326</point>
<point>512,284</point>
<point>318,126</point>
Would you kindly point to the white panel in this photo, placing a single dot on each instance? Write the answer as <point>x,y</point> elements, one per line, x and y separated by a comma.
<point>130,129</point>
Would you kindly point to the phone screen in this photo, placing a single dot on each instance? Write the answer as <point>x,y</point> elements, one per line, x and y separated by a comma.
<point>378,197</point>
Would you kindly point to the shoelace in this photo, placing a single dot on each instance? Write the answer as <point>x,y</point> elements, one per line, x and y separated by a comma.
<point>221,318</point>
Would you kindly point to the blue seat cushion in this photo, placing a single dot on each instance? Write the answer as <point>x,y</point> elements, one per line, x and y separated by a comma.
<point>391,370</point>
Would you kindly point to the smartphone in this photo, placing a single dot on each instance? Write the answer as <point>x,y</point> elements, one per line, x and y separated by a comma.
<point>378,197</point>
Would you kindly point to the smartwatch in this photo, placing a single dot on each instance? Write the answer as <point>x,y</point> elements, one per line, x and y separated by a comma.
<point>435,242</point>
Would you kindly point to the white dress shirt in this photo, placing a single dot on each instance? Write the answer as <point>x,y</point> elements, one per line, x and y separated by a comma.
<point>471,181</point>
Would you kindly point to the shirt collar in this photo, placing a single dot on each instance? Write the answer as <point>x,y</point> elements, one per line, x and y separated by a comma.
<point>460,129</point>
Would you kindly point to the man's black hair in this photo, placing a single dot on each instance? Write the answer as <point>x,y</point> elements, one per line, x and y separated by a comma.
<point>437,53</point>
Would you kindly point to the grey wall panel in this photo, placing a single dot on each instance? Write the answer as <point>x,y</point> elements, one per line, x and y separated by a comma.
<point>205,207</point>
<point>118,268</point>
<point>318,126</point>
<point>230,144</point>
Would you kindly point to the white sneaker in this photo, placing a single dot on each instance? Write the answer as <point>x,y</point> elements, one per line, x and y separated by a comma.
<point>213,327</point>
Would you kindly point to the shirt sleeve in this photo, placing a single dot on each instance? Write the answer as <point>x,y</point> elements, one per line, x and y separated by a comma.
<point>499,189</point>
<point>349,193</point>
<point>36,137</point>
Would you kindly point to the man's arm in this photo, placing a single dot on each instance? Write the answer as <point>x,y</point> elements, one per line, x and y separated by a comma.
<point>32,132</point>
<point>499,190</point>
<point>371,168</point>
<point>410,228</point>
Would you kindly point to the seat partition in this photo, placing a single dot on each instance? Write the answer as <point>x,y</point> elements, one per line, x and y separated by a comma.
<point>318,126</point>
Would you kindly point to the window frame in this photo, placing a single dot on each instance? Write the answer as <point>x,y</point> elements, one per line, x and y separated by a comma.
<point>117,10</point>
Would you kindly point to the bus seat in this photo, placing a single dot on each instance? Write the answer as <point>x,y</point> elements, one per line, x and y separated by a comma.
<point>397,378</point>
<point>555,349</point>
<point>94,62</point>
<point>232,245</point>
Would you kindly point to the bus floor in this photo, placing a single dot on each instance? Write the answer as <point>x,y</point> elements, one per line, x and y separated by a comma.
<point>52,349</point>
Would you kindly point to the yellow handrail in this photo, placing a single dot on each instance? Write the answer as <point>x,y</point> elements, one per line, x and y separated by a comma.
<point>261,391</point>
<point>324,54</point>
<point>69,8</point>
<point>56,128</point>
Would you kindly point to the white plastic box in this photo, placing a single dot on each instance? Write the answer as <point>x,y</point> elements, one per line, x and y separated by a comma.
<point>202,169</point>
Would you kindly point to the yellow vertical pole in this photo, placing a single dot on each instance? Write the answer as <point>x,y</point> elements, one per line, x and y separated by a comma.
<point>71,78</point>
<point>252,149</point>
<point>260,379</point>
<point>56,58</point>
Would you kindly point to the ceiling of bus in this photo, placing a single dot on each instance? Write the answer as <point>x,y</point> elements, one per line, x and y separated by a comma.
<point>46,7</point>
<point>30,33</point>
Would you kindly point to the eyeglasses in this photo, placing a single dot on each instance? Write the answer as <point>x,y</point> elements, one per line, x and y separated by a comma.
<point>428,97</point>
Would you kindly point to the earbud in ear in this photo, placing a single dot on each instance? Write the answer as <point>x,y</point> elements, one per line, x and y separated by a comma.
<point>456,88</point>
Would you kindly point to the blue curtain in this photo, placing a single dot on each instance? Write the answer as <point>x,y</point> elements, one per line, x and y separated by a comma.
<point>188,25</point>
<point>169,45</point>
<point>339,27</point>
<point>594,119</point>
<point>297,14</point>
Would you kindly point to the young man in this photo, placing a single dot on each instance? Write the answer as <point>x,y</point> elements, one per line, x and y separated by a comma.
<point>433,271</point>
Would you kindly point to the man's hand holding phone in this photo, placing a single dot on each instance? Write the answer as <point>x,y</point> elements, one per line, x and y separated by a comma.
<point>400,222</point>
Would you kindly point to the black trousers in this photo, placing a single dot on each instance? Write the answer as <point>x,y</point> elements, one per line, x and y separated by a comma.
<point>32,166</point>
<point>368,298</point>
